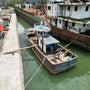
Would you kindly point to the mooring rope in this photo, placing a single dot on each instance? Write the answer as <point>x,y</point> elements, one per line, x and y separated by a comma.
<point>35,73</point>
<point>69,43</point>
<point>72,41</point>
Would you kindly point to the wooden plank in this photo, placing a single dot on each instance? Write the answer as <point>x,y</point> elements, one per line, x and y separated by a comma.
<point>15,51</point>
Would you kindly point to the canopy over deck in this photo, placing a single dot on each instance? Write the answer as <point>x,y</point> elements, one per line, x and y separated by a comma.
<point>41,28</point>
<point>49,40</point>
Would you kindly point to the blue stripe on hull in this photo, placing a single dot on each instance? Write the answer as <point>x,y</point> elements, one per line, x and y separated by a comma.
<point>60,66</point>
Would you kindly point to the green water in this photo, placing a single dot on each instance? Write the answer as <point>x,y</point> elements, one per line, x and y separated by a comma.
<point>78,78</point>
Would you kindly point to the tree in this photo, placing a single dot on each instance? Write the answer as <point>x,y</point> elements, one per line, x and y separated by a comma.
<point>33,3</point>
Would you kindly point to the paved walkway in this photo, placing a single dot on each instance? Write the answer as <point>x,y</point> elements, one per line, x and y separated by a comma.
<point>11,72</point>
<point>1,44</point>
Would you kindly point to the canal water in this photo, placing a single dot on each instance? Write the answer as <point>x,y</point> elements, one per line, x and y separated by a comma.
<point>78,78</point>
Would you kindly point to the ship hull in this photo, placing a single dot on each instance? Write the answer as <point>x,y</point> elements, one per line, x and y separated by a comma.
<point>82,41</point>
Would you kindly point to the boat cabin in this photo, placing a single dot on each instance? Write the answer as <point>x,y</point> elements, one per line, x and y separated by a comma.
<point>49,44</point>
<point>46,42</point>
<point>55,57</point>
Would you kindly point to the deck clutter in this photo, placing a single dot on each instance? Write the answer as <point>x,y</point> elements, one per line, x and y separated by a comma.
<point>4,27</point>
<point>57,58</point>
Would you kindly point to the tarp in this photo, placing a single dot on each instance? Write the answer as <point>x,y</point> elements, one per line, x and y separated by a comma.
<point>1,27</point>
<point>41,28</point>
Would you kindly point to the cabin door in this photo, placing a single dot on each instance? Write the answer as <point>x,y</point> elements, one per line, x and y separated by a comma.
<point>66,24</point>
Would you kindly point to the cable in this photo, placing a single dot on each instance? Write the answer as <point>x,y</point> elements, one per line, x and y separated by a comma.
<point>35,73</point>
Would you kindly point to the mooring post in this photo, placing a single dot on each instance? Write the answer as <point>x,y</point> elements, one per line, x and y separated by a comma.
<point>42,39</point>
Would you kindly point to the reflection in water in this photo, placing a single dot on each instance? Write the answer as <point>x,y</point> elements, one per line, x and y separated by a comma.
<point>78,78</point>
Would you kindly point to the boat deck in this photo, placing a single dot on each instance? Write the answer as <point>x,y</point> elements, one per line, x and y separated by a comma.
<point>58,60</point>
<point>52,58</point>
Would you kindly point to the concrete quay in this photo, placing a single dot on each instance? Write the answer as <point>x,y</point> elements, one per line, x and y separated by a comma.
<point>11,69</point>
<point>5,11</point>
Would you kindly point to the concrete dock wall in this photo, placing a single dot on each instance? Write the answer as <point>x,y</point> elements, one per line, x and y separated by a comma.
<point>11,69</point>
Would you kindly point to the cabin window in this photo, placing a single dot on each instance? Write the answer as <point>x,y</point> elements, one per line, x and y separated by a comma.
<point>79,30</point>
<point>68,8</point>
<point>76,8</point>
<point>73,24</point>
<point>84,25</point>
<point>59,21</point>
<point>39,32</point>
<point>87,7</point>
<point>49,7</point>
<point>29,6</point>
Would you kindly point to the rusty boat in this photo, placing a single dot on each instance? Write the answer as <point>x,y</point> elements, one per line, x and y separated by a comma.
<point>55,57</point>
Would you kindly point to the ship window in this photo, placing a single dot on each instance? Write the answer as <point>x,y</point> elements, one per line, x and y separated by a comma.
<point>79,30</point>
<point>73,24</point>
<point>68,8</point>
<point>76,8</point>
<point>59,21</point>
<point>49,7</point>
<point>39,33</point>
<point>87,7</point>
<point>84,25</point>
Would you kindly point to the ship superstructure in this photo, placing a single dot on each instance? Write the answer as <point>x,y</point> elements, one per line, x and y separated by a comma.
<point>72,15</point>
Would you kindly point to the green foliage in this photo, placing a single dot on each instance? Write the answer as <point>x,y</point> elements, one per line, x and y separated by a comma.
<point>45,1</point>
<point>33,3</point>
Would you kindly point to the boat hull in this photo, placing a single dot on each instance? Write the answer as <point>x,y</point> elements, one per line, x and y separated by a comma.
<point>53,68</point>
<point>82,41</point>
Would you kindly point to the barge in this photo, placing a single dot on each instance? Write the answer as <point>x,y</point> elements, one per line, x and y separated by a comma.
<point>66,21</point>
<point>55,57</point>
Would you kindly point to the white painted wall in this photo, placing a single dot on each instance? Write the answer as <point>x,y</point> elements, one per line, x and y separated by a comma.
<point>49,12</point>
<point>18,5</point>
<point>28,6</point>
<point>53,22</point>
<point>55,10</point>
<point>78,26</point>
<point>61,10</point>
<point>79,14</point>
